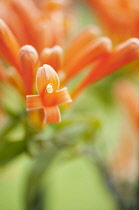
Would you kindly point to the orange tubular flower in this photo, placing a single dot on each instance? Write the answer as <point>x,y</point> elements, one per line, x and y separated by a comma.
<point>125,159</point>
<point>118,57</point>
<point>50,24</point>
<point>49,97</point>
<point>119,18</point>
<point>9,46</point>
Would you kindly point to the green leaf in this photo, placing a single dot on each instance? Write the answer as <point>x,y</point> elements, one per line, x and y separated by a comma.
<point>9,150</point>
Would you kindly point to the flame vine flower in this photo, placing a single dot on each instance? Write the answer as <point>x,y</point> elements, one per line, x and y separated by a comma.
<point>49,95</point>
<point>96,52</point>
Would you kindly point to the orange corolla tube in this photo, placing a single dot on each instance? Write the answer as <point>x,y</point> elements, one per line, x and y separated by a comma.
<point>9,46</point>
<point>123,54</point>
<point>28,58</point>
<point>29,16</point>
<point>92,52</point>
<point>6,12</point>
<point>49,97</point>
<point>80,42</point>
<point>44,26</point>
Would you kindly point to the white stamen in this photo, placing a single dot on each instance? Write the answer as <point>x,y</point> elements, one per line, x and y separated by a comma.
<point>49,88</point>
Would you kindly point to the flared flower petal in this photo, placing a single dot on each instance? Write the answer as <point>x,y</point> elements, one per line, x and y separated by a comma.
<point>33,102</point>
<point>52,114</point>
<point>61,96</point>
<point>47,80</point>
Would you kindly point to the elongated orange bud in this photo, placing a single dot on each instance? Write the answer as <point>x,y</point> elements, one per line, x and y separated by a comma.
<point>9,46</point>
<point>47,80</point>
<point>121,55</point>
<point>53,57</point>
<point>92,52</point>
<point>81,41</point>
<point>28,57</point>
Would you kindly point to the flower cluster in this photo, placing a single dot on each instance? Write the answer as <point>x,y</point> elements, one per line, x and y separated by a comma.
<point>51,64</point>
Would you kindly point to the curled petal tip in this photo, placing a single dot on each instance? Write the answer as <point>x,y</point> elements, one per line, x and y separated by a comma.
<point>134,40</point>
<point>94,30</point>
<point>53,57</point>
<point>58,48</point>
<point>27,48</point>
<point>130,43</point>
<point>29,53</point>
<point>129,49</point>
<point>106,42</point>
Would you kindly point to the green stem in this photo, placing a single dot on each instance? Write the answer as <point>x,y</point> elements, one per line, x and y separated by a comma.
<point>34,195</point>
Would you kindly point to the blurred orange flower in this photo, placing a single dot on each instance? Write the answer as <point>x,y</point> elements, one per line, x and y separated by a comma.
<point>125,158</point>
<point>29,22</point>
<point>119,18</point>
